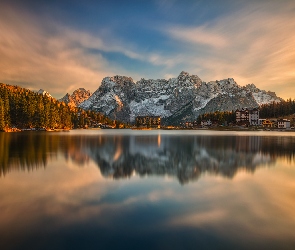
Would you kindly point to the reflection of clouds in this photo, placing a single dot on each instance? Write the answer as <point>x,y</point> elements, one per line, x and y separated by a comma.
<point>199,219</point>
<point>252,207</point>
<point>55,193</point>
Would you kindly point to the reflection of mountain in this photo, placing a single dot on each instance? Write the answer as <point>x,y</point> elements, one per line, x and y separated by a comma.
<point>119,156</point>
<point>185,157</point>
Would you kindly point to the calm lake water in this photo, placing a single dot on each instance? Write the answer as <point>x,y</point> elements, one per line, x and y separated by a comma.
<point>124,189</point>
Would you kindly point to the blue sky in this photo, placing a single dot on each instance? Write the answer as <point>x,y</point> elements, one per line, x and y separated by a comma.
<point>63,45</point>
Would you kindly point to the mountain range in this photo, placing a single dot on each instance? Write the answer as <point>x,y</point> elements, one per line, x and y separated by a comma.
<point>175,100</point>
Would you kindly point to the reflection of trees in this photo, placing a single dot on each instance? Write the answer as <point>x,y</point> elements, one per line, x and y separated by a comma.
<point>25,151</point>
<point>186,157</point>
<point>32,150</point>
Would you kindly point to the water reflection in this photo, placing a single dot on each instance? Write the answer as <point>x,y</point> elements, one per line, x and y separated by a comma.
<point>72,206</point>
<point>120,156</point>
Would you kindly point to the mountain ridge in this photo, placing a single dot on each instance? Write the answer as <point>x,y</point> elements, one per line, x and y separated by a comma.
<point>120,98</point>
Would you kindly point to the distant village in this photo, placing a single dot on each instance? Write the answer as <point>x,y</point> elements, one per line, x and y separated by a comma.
<point>244,118</point>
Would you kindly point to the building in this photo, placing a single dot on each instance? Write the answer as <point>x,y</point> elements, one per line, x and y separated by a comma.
<point>261,121</point>
<point>247,116</point>
<point>284,123</point>
<point>193,124</point>
<point>206,123</point>
<point>268,124</point>
<point>148,121</point>
<point>254,117</point>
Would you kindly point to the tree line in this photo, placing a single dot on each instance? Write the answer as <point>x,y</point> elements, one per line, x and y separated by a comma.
<point>23,108</point>
<point>219,117</point>
<point>271,110</point>
<point>277,109</point>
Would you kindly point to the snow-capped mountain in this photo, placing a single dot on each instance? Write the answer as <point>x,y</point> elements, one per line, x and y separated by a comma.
<point>78,96</point>
<point>176,99</point>
<point>43,92</point>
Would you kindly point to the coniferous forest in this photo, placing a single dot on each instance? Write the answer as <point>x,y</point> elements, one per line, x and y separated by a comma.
<point>22,108</point>
<point>219,116</point>
<point>277,109</point>
<point>271,110</point>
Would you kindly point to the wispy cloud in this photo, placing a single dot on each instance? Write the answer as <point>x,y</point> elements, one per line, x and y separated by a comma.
<point>43,60</point>
<point>44,54</point>
<point>198,35</point>
<point>254,44</point>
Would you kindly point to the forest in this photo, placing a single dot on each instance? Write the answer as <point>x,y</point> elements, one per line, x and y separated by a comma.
<point>23,109</point>
<point>272,110</point>
<point>219,117</point>
<point>277,109</point>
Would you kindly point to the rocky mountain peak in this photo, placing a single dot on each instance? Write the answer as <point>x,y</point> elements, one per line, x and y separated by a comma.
<point>185,78</point>
<point>183,74</point>
<point>77,97</point>
<point>43,92</point>
<point>110,82</point>
<point>252,87</point>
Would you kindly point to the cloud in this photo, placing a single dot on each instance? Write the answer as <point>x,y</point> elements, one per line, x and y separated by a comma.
<point>37,53</point>
<point>198,35</point>
<point>32,56</point>
<point>254,44</point>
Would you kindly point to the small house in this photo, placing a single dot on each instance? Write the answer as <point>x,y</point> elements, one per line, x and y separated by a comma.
<point>284,123</point>
<point>267,123</point>
<point>206,123</point>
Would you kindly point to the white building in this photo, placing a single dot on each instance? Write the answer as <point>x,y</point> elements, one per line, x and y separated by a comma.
<point>205,123</point>
<point>254,117</point>
<point>283,123</point>
<point>248,116</point>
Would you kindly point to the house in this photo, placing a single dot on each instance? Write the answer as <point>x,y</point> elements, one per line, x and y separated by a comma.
<point>268,123</point>
<point>193,124</point>
<point>148,121</point>
<point>247,116</point>
<point>206,123</point>
<point>242,116</point>
<point>260,121</point>
<point>254,117</point>
<point>283,123</point>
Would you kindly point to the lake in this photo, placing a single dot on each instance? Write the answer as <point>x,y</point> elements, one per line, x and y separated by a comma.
<point>130,189</point>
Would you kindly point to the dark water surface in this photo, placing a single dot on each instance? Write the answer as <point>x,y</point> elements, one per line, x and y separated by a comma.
<point>123,189</point>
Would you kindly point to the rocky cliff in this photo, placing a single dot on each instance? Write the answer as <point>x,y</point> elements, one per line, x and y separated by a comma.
<point>177,99</point>
<point>77,97</point>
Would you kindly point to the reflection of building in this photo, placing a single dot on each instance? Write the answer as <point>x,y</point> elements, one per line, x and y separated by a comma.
<point>148,121</point>
<point>248,144</point>
<point>247,116</point>
<point>283,123</point>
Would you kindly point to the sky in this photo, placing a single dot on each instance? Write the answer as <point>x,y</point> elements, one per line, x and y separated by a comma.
<point>60,45</point>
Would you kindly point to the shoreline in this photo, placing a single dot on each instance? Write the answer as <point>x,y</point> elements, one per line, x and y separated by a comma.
<point>149,129</point>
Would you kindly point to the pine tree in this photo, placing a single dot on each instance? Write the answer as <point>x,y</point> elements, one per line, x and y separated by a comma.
<point>2,118</point>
